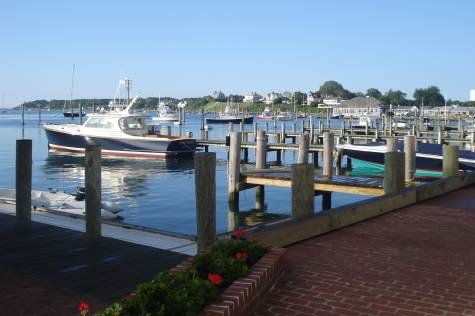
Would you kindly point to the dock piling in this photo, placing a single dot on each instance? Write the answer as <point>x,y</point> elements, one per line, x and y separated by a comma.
<point>391,144</point>
<point>327,153</point>
<point>234,171</point>
<point>23,178</point>
<point>93,191</point>
<point>450,162</point>
<point>261,155</point>
<point>410,157</point>
<point>393,172</point>
<point>303,148</point>
<point>205,192</point>
<point>303,201</point>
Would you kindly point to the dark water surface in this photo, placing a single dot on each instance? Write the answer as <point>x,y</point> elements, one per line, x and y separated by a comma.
<point>155,193</point>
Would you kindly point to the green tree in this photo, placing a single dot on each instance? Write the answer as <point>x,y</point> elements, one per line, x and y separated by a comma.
<point>431,96</point>
<point>375,93</point>
<point>331,88</point>
<point>299,97</point>
<point>395,97</point>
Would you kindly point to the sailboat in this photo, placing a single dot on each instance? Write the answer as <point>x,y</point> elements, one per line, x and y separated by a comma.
<point>230,115</point>
<point>71,112</point>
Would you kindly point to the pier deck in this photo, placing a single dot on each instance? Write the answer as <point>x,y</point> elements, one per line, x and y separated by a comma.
<point>345,184</point>
<point>44,260</point>
<point>418,260</point>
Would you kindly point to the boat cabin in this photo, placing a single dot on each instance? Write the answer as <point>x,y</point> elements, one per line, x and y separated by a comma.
<point>131,125</point>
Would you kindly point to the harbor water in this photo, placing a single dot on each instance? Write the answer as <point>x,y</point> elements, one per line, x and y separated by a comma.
<point>155,193</point>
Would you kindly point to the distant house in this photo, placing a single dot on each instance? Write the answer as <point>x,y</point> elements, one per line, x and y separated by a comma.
<point>218,95</point>
<point>360,106</point>
<point>451,110</point>
<point>271,97</point>
<point>313,97</point>
<point>252,98</point>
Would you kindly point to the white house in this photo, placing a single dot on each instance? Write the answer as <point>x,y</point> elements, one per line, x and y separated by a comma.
<point>253,97</point>
<point>271,97</point>
<point>360,106</point>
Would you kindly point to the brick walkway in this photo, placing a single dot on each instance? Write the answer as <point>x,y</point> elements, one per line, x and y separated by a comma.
<point>416,261</point>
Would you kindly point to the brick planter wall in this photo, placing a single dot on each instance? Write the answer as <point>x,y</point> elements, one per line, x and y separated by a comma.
<point>244,295</point>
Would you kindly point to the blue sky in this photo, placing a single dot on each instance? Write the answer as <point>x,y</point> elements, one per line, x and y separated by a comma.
<point>190,48</point>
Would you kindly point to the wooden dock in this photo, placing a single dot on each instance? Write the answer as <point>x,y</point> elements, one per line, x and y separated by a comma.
<point>332,183</point>
<point>105,269</point>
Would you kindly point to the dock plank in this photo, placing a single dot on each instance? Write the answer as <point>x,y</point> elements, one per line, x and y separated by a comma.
<point>106,269</point>
<point>335,183</point>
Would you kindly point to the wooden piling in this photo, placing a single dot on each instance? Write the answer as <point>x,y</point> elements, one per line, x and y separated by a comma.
<point>93,191</point>
<point>393,172</point>
<point>303,149</point>
<point>202,116</point>
<point>261,163</point>
<point>234,171</point>
<point>450,163</point>
<point>409,157</point>
<point>391,144</point>
<point>23,178</point>
<point>80,114</point>
<point>303,202</point>
<point>254,128</point>
<point>230,127</point>
<point>327,153</point>
<point>205,193</point>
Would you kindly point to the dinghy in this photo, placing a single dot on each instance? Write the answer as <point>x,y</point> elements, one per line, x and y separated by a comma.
<point>73,204</point>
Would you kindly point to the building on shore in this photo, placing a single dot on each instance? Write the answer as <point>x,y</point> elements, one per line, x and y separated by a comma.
<point>272,97</point>
<point>360,106</point>
<point>253,97</point>
<point>218,95</point>
<point>313,97</point>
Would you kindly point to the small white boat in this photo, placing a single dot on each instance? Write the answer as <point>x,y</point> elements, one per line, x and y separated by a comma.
<point>61,202</point>
<point>166,113</point>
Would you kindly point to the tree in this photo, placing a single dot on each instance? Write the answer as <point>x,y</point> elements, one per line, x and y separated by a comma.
<point>375,93</point>
<point>299,98</point>
<point>431,96</point>
<point>395,97</point>
<point>331,88</point>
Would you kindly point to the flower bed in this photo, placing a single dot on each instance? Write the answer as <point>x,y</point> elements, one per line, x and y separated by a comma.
<point>223,281</point>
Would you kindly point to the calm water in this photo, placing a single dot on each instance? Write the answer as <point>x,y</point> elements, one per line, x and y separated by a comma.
<point>154,193</point>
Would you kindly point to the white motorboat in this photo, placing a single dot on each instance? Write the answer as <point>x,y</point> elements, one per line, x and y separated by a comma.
<point>166,113</point>
<point>120,133</point>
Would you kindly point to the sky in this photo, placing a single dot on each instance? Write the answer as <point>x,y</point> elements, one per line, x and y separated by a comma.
<point>190,48</point>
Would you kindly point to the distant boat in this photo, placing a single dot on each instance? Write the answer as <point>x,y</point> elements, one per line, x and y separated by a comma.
<point>266,115</point>
<point>70,112</point>
<point>428,156</point>
<point>230,116</point>
<point>166,113</point>
<point>285,116</point>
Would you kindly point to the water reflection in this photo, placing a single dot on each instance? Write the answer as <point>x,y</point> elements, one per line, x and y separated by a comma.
<point>120,177</point>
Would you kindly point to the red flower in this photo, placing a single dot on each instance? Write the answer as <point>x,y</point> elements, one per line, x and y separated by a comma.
<point>215,278</point>
<point>83,308</point>
<point>239,233</point>
<point>241,256</point>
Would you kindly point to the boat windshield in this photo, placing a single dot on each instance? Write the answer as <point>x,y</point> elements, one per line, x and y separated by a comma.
<point>98,122</point>
<point>130,123</point>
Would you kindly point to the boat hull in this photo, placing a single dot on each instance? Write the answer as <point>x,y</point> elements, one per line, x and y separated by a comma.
<point>428,157</point>
<point>122,147</point>
<point>74,114</point>
<point>246,120</point>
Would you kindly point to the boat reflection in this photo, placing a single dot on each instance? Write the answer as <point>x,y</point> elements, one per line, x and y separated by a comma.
<point>120,177</point>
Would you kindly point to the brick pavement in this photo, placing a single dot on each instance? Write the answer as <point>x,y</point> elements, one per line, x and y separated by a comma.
<point>418,261</point>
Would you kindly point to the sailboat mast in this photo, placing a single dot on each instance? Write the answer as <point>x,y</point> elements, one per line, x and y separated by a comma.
<point>71,93</point>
